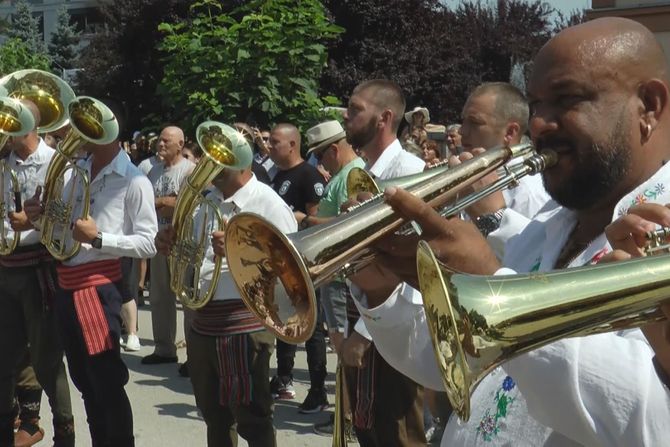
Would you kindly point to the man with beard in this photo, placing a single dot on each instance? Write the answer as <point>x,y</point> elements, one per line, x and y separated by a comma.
<point>599,96</point>
<point>387,406</point>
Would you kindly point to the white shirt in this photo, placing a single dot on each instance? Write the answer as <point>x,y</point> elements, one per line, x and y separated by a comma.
<point>253,197</point>
<point>148,163</point>
<point>526,199</point>
<point>600,390</point>
<point>167,181</point>
<point>393,162</point>
<point>122,205</point>
<point>30,174</point>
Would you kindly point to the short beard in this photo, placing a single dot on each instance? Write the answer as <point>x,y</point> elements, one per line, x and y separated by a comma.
<point>363,137</point>
<point>598,172</point>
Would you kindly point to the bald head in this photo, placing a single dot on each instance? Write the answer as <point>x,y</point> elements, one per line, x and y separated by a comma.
<point>613,47</point>
<point>285,146</point>
<point>599,97</point>
<point>170,145</point>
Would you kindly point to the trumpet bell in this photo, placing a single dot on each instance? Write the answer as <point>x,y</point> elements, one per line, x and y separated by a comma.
<point>50,94</point>
<point>15,119</point>
<point>272,277</point>
<point>224,145</point>
<point>92,120</point>
<point>479,322</point>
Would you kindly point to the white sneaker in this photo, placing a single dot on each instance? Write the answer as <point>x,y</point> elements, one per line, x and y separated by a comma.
<point>133,343</point>
<point>122,343</point>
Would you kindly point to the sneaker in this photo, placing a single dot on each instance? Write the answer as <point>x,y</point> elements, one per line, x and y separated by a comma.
<point>282,387</point>
<point>316,401</point>
<point>122,343</point>
<point>132,344</point>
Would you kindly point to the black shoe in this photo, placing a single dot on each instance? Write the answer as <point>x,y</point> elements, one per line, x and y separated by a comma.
<point>155,359</point>
<point>282,387</point>
<point>316,401</point>
<point>183,370</point>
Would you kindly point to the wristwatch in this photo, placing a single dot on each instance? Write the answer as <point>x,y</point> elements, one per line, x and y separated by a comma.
<point>488,223</point>
<point>97,241</point>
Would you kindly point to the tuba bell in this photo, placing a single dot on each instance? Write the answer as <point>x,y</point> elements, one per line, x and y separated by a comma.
<point>91,121</point>
<point>223,147</point>
<point>277,274</point>
<point>479,322</point>
<point>15,120</point>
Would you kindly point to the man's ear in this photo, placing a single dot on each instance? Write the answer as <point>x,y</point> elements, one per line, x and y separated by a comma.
<point>512,132</point>
<point>653,96</point>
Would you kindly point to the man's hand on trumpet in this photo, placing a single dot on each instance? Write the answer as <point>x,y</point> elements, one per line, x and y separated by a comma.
<point>627,236</point>
<point>84,230</point>
<point>456,243</point>
<point>33,206</point>
<point>20,221</point>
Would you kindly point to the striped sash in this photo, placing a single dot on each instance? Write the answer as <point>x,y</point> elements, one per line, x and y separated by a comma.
<point>235,382</point>
<point>366,377</point>
<point>82,280</point>
<point>228,317</point>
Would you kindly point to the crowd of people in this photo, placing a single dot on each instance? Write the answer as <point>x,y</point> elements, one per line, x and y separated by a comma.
<point>598,97</point>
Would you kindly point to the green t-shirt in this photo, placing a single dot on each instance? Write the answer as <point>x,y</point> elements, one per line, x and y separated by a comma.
<point>336,190</point>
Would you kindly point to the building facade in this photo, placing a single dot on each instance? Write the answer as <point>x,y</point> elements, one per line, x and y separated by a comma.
<point>84,13</point>
<point>654,14</point>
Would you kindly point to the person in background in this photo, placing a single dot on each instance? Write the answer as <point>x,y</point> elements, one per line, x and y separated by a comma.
<point>454,144</point>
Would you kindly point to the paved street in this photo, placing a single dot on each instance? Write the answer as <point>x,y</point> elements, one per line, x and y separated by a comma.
<point>164,407</point>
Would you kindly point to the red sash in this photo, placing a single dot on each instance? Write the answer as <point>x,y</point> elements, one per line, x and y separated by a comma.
<point>82,280</point>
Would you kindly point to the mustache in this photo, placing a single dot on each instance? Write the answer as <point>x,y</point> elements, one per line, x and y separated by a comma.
<point>552,142</point>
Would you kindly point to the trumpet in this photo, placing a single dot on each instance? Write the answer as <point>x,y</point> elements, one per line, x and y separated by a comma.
<point>479,322</point>
<point>91,121</point>
<point>15,120</point>
<point>360,181</point>
<point>277,274</point>
<point>223,147</point>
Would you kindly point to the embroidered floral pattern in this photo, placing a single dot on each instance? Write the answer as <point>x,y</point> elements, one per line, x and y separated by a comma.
<point>490,426</point>
<point>649,194</point>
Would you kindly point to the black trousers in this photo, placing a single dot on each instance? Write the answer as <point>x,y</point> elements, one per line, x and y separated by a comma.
<point>315,347</point>
<point>100,378</point>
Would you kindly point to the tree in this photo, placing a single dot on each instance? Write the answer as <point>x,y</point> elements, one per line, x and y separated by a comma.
<point>259,63</point>
<point>122,62</point>
<point>25,27</point>
<point>16,55</point>
<point>437,55</point>
<point>64,42</point>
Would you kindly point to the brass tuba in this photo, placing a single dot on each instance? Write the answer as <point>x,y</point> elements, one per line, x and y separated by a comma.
<point>277,274</point>
<point>479,322</point>
<point>91,121</point>
<point>223,147</point>
<point>15,120</point>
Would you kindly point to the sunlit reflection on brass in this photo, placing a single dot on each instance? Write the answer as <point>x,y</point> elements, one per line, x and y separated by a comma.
<point>277,274</point>
<point>223,147</point>
<point>15,120</point>
<point>479,322</point>
<point>47,91</point>
<point>92,122</point>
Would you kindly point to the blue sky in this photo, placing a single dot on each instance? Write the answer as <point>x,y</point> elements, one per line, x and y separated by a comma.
<point>565,6</point>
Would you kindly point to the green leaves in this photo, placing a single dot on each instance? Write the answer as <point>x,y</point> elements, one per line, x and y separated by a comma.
<point>261,62</point>
<point>16,55</point>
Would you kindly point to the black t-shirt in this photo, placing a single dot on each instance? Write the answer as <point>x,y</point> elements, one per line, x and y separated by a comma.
<point>260,172</point>
<point>299,185</point>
